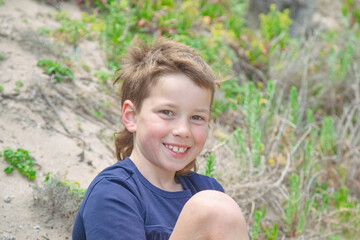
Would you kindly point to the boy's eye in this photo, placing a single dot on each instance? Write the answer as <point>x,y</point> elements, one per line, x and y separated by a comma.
<point>167,112</point>
<point>197,118</point>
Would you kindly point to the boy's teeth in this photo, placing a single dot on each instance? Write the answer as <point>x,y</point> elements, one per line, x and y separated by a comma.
<point>176,149</point>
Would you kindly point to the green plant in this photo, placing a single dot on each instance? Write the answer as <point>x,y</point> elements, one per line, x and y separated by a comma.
<point>1,57</point>
<point>297,208</point>
<point>258,216</point>
<point>85,66</point>
<point>61,198</point>
<point>55,69</point>
<point>19,83</point>
<point>252,111</point>
<point>274,24</point>
<point>105,103</point>
<point>271,233</point>
<point>72,186</point>
<point>20,160</point>
<point>235,22</point>
<point>239,139</point>
<point>294,106</point>
<point>2,2</point>
<point>328,136</point>
<point>119,24</point>
<point>341,58</point>
<point>291,210</point>
<point>273,36</point>
<point>44,31</point>
<point>102,76</point>
<point>210,165</point>
<point>73,31</point>
<point>259,226</point>
<point>1,88</point>
<point>98,114</point>
<point>351,8</point>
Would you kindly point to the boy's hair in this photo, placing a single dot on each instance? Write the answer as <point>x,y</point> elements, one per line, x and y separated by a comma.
<point>143,65</point>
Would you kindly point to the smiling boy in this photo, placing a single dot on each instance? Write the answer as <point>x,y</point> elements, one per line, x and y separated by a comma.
<point>151,193</point>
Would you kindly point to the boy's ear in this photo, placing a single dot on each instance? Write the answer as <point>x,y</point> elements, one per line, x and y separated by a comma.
<point>129,116</point>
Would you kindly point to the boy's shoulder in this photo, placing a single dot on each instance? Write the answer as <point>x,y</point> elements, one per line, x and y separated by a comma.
<point>121,170</point>
<point>113,180</point>
<point>201,182</point>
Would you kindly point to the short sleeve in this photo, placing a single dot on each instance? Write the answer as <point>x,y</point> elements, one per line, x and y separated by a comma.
<point>196,182</point>
<point>112,211</point>
<point>216,185</point>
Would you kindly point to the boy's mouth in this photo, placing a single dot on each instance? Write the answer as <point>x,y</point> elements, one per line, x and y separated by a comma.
<point>176,148</point>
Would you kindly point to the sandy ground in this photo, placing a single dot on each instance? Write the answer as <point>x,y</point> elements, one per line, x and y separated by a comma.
<point>53,121</point>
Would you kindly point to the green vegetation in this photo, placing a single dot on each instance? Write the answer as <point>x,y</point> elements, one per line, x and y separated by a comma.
<point>72,31</point>
<point>103,76</point>
<point>44,31</point>
<point>62,198</point>
<point>55,69</point>
<point>73,187</point>
<point>98,114</point>
<point>20,160</point>
<point>19,84</point>
<point>210,165</point>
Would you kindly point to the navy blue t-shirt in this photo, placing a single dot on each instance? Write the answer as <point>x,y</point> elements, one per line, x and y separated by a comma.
<point>121,203</point>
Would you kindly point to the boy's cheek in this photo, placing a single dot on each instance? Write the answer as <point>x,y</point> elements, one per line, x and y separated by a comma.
<point>201,134</point>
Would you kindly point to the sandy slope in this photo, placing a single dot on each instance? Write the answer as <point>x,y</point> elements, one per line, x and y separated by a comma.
<point>52,120</point>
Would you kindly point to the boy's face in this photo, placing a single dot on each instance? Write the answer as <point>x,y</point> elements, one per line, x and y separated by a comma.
<point>170,129</point>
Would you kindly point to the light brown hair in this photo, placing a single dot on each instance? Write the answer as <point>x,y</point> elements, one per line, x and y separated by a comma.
<point>143,65</point>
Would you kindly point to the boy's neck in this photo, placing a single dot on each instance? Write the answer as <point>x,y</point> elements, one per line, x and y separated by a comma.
<point>158,177</point>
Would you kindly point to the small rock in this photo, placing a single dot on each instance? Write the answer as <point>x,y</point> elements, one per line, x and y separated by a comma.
<point>7,237</point>
<point>8,199</point>
<point>36,228</point>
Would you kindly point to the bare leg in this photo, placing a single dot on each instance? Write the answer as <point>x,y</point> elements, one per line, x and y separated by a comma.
<point>210,215</point>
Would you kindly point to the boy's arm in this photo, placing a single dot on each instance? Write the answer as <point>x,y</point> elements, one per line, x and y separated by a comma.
<point>112,211</point>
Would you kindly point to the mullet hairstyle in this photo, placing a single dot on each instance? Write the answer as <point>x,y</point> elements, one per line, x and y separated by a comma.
<point>143,65</point>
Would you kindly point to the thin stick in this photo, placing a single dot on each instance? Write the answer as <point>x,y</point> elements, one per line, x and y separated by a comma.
<point>48,101</point>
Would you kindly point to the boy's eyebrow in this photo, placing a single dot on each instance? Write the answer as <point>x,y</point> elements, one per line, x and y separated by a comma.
<point>203,110</point>
<point>171,105</point>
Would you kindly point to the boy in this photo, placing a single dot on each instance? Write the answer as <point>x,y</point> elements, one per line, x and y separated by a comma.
<point>167,93</point>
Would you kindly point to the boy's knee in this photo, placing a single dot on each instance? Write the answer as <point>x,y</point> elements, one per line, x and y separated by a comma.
<point>214,215</point>
<point>217,208</point>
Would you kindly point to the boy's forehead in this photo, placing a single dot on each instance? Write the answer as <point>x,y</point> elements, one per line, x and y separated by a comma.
<point>175,78</point>
<point>179,87</point>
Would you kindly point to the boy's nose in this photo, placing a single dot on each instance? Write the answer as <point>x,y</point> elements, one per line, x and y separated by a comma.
<point>181,128</point>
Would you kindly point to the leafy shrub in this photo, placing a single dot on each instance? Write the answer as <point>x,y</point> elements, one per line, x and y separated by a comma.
<point>21,160</point>
<point>60,198</point>
<point>55,69</point>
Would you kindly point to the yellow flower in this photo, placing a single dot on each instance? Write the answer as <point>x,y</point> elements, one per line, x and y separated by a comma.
<point>207,20</point>
<point>271,161</point>
<point>262,100</point>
